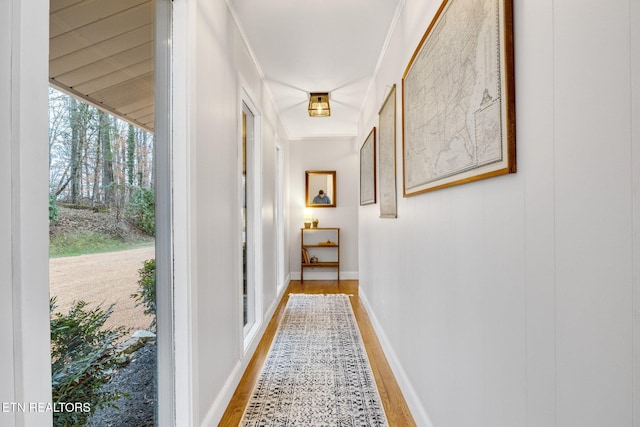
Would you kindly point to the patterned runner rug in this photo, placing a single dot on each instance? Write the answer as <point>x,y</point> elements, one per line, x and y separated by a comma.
<point>317,372</point>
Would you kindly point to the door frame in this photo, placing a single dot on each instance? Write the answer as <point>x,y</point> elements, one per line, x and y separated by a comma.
<point>254,213</point>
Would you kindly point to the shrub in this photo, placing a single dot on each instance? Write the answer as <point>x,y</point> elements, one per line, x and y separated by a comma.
<point>83,358</point>
<point>141,210</point>
<point>54,213</point>
<point>146,295</point>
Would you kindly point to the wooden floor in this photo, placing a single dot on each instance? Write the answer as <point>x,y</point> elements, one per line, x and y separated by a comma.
<point>394,404</point>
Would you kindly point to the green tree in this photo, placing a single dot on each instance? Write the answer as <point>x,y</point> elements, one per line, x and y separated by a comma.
<point>141,210</point>
<point>54,213</point>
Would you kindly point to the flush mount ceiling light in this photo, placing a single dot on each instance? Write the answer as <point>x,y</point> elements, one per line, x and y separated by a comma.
<point>319,104</point>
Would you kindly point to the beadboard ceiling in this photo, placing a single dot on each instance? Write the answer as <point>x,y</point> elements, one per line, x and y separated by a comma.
<point>102,51</point>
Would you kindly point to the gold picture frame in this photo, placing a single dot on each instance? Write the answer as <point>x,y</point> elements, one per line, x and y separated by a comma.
<point>317,181</point>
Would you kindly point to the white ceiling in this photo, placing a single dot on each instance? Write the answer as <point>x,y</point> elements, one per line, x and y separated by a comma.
<point>102,51</point>
<point>307,46</point>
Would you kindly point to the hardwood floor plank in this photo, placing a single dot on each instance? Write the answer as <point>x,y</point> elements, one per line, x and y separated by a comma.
<point>393,401</point>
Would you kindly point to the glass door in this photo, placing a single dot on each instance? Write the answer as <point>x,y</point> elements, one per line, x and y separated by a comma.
<point>247,195</point>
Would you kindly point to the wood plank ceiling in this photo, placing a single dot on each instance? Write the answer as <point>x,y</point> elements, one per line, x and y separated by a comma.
<point>102,51</point>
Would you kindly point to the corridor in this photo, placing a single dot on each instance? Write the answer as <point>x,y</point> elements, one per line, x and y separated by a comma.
<point>395,406</point>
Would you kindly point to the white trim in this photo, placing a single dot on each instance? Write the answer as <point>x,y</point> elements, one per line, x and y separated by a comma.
<point>24,107</point>
<point>234,14</point>
<point>254,58</point>
<point>279,214</point>
<point>324,137</point>
<point>7,353</point>
<point>383,51</point>
<point>166,402</point>
<point>183,111</point>
<point>417,410</point>
<point>254,212</point>
<point>220,403</point>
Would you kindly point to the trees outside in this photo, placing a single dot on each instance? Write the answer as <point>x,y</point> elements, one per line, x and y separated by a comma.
<point>95,159</point>
<point>100,162</point>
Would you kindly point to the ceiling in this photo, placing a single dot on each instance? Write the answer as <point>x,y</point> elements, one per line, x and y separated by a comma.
<point>305,46</point>
<point>102,51</point>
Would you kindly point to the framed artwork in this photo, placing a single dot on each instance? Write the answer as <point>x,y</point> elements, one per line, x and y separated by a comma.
<point>368,169</point>
<point>387,156</point>
<point>320,189</point>
<point>458,99</point>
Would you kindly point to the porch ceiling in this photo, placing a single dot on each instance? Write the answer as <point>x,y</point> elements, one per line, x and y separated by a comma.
<point>102,51</point>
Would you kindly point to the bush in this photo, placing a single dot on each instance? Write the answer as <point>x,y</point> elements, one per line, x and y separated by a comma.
<point>146,295</point>
<point>142,210</point>
<point>83,358</point>
<point>54,213</point>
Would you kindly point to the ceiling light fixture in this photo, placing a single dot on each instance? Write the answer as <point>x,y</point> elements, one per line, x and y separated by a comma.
<point>319,104</point>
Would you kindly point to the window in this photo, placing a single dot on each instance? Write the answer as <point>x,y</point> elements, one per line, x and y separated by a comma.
<point>250,218</point>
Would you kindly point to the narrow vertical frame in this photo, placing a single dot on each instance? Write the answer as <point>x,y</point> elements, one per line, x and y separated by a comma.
<point>368,169</point>
<point>166,389</point>
<point>387,156</point>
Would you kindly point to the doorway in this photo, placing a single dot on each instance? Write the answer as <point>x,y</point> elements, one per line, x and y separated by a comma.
<point>112,62</point>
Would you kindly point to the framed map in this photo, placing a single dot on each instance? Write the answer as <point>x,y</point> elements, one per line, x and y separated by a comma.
<point>387,156</point>
<point>458,99</point>
<point>368,169</point>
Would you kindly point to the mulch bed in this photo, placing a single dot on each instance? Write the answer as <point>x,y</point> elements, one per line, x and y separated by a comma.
<point>138,379</point>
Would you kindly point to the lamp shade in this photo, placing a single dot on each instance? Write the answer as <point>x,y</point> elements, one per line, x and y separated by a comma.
<point>319,104</point>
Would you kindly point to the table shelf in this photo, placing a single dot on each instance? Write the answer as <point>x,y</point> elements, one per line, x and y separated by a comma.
<point>316,239</point>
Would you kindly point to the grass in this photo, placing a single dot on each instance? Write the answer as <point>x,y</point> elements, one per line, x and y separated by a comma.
<point>81,243</point>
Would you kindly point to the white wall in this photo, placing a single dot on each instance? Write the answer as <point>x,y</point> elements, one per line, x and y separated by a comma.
<point>208,292</point>
<point>634,18</point>
<point>326,154</point>
<point>7,391</point>
<point>218,64</point>
<point>25,369</point>
<point>510,301</point>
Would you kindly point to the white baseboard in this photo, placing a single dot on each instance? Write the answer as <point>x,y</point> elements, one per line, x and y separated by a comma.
<point>417,410</point>
<point>216,410</point>
<point>325,275</point>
